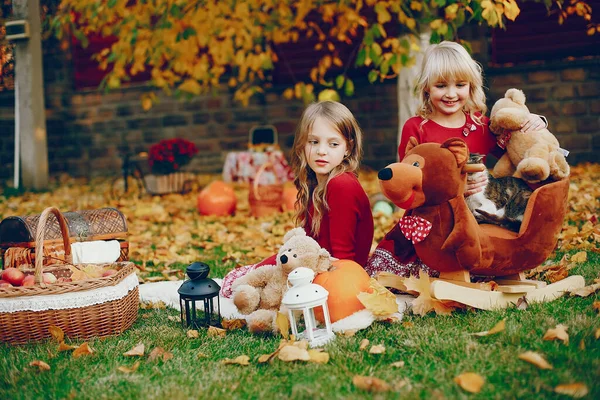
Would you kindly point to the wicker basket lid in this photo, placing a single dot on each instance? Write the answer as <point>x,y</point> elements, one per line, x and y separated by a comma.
<point>102,223</point>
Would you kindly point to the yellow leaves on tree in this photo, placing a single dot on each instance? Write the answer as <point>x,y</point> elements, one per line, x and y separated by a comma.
<point>191,46</point>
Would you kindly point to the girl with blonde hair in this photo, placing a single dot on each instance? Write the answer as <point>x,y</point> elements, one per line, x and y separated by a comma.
<point>451,104</point>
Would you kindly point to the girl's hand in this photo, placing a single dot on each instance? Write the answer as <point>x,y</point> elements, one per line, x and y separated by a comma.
<point>475,183</point>
<point>533,123</point>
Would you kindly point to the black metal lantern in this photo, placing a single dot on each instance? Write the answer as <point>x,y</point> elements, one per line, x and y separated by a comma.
<point>199,288</point>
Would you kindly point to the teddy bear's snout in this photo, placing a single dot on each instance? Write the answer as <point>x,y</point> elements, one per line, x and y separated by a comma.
<point>283,259</point>
<point>385,174</point>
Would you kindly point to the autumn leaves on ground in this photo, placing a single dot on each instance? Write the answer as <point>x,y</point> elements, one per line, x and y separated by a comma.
<point>546,350</point>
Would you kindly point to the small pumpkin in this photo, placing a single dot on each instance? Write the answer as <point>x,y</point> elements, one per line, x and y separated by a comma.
<point>344,281</point>
<point>218,198</point>
<point>289,198</point>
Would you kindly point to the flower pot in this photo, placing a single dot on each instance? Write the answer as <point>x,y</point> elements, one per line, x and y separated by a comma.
<point>176,182</point>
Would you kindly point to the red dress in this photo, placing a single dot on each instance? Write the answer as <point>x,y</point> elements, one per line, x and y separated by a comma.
<point>395,253</point>
<point>346,228</point>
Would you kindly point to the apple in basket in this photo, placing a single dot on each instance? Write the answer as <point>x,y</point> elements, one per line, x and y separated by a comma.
<point>29,280</point>
<point>13,276</point>
<point>109,272</point>
<point>49,277</point>
<point>3,283</point>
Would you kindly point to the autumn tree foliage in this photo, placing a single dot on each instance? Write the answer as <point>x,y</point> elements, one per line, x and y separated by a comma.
<point>191,47</point>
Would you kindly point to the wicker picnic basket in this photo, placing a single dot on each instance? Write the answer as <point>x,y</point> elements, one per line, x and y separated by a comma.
<point>93,307</point>
<point>265,199</point>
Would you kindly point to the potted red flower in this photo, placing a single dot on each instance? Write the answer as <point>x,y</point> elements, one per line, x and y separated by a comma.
<point>165,159</point>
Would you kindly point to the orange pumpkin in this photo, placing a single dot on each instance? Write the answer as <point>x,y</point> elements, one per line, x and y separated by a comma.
<point>344,282</point>
<point>289,198</point>
<point>218,198</point>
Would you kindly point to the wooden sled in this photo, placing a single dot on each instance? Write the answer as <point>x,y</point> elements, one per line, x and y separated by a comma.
<point>485,296</point>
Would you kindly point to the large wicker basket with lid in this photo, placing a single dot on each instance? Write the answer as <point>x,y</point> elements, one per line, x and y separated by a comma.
<point>83,308</point>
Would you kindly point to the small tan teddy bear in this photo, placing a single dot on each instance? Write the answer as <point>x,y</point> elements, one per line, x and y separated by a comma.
<point>532,156</point>
<point>258,294</point>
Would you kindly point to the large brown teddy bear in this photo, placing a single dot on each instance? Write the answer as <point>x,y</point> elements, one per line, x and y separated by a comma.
<point>258,294</point>
<point>531,156</point>
<point>445,234</point>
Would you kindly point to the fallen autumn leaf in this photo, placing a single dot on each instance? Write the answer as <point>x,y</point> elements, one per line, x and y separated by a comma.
<point>558,333</point>
<point>535,359</point>
<point>42,366</point>
<point>577,390</point>
<point>470,381</point>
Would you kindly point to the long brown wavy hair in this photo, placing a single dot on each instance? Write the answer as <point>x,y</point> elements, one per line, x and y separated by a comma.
<point>306,182</point>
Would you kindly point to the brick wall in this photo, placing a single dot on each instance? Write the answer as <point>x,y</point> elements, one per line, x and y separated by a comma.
<point>86,129</point>
<point>568,94</point>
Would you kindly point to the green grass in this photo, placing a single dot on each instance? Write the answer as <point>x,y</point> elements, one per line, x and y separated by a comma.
<point>435,349</point>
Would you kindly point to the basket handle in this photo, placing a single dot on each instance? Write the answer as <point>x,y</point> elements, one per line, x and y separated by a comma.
<point>39,241</point>
<point>258,174</point>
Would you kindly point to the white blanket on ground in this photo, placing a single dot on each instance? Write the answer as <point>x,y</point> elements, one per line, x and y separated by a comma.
<point>167,293</point>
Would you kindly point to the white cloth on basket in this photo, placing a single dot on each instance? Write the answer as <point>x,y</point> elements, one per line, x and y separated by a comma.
<point>83,298</point>
<point>96,252</point>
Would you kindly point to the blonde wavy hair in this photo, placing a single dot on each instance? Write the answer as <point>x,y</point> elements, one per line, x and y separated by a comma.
<point>450,61</point>
<point>306,182</point>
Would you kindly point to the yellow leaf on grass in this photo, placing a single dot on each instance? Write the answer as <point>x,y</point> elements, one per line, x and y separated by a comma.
<point>129,370</point>
<point>136,351</point>
<point>579,257</point>
<point>558,333</point>
<point>470,381</point>
<point>363,344</point>
<point>159,353</point>
<point>370,383</point>
<point>596,306</point>
<point>535,359</point>
<point>349,332</point>
<point>318,356</point>
<point>499,327</point>
<point>425,303</point>
<point>213,331</point>
<point>83,350</point>
<point>283,324</point>
<point>377,349</point>
<point>577,390</point>
<point>586,290</point>
<point>42,366</point>
<point>597,334</point>
<point>293,353</point>
<point>56,333</point>
<point>231,324</point>
<point>239,360</point>
<point>397,364</point>
<point>379,300</point>
<point>65,347</point>
<point>268,357</point>
<point>192,334</point>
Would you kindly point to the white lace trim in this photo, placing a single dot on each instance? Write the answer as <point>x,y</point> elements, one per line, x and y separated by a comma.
<point>65,301</point>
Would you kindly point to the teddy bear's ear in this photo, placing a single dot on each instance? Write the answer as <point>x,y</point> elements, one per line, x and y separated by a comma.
<point>412,142</point>
<point>516,95</point>
<point>294,232</point>
<point>459,148</point>
<point>324,262</point>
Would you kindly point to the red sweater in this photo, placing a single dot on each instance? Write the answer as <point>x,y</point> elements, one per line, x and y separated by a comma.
<point>347,228</point>
<point>479,138</point>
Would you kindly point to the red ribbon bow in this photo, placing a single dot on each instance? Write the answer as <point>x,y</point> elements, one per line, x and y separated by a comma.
<point>414,229</point>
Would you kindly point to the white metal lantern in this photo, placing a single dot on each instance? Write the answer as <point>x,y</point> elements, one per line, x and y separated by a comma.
<point>305,296</point>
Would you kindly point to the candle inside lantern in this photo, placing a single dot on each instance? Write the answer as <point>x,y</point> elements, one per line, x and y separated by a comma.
<point>305,296</point>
